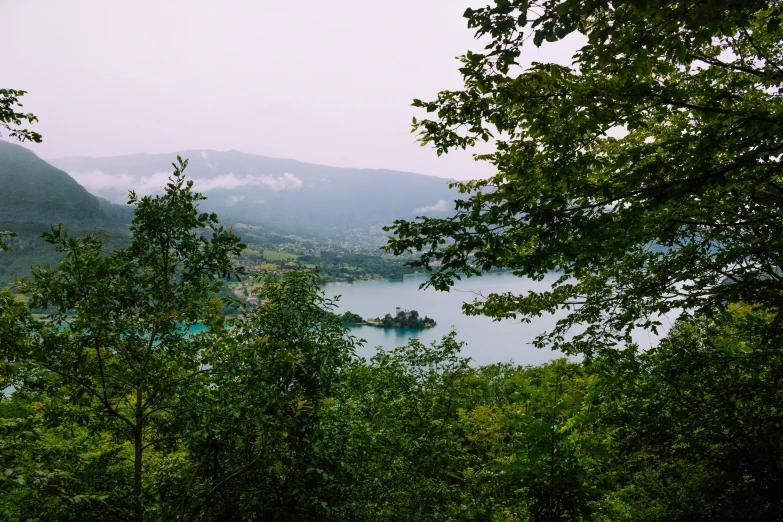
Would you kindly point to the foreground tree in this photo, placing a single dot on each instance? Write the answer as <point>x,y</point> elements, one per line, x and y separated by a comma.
<point>696,422</point>
<point>11,117</point>
<point>117,343</point>
<point>393,426</point>
<point>256,451</point>
<point>647,174</point>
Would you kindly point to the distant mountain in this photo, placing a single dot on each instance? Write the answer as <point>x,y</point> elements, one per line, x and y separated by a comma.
<point>278,192</point>
<point>35,195</point>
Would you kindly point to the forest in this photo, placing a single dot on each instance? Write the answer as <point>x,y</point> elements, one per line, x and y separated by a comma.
<point>647,175</point>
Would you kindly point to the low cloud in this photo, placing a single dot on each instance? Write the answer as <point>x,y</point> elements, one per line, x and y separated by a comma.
<point>440,206</point>
<point>233,200</point>
<point>97,181</point>
<point>231,181</point>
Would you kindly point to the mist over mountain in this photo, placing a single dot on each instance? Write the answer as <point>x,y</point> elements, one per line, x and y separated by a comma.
<point>272,191</point>
<point>85,194</point>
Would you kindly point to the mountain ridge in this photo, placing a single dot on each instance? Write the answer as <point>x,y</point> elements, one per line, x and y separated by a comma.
<point>185,154</point>
<point>275,191</point>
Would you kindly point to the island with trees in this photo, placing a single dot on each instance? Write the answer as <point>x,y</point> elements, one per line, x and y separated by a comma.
<point>401,319</point>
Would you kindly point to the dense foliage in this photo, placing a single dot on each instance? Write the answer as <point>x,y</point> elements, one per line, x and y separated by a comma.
<point>11,117</point>
<point>647,173</point>
<point>286,425</point>
<point>116,409</point>
<point>351,318</point>
<point>138,400</point>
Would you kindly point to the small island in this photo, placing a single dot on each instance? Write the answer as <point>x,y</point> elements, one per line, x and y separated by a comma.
<point>401,319</point>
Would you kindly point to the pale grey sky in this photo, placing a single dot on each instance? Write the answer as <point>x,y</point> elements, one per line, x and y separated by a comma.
<point>322,82</point>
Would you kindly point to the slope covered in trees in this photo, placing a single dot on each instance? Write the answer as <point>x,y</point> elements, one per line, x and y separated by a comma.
<point>33,197</point>
<point>32,191</point>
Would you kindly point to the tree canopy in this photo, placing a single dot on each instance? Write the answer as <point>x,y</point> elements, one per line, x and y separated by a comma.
<point>11,117</point>
<point>117,339</point>
<point>646,174</point>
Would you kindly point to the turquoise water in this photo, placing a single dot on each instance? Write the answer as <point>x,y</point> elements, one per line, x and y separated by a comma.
<point>487,341</point>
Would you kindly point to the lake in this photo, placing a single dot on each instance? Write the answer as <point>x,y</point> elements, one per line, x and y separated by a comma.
<point>486,341</point>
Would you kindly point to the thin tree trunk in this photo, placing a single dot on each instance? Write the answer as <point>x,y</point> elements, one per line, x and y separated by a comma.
<point>138,449</point>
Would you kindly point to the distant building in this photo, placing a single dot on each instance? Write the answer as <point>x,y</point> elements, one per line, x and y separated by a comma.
<point>397,311</point>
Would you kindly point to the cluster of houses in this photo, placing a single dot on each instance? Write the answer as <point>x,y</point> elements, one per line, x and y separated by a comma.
<point>248,296</point>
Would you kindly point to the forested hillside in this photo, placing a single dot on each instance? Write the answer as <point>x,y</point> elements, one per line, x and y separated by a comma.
<point>32,191</point>
<point>33,197</point>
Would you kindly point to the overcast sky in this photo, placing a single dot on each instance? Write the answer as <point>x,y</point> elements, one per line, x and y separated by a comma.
<point>322,82</point>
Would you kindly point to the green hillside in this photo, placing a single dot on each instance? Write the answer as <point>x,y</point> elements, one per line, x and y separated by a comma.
<point>33,191</point>
<point>33,196</point>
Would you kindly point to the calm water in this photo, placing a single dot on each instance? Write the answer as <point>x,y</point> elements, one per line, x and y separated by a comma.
<point>487,341</point>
